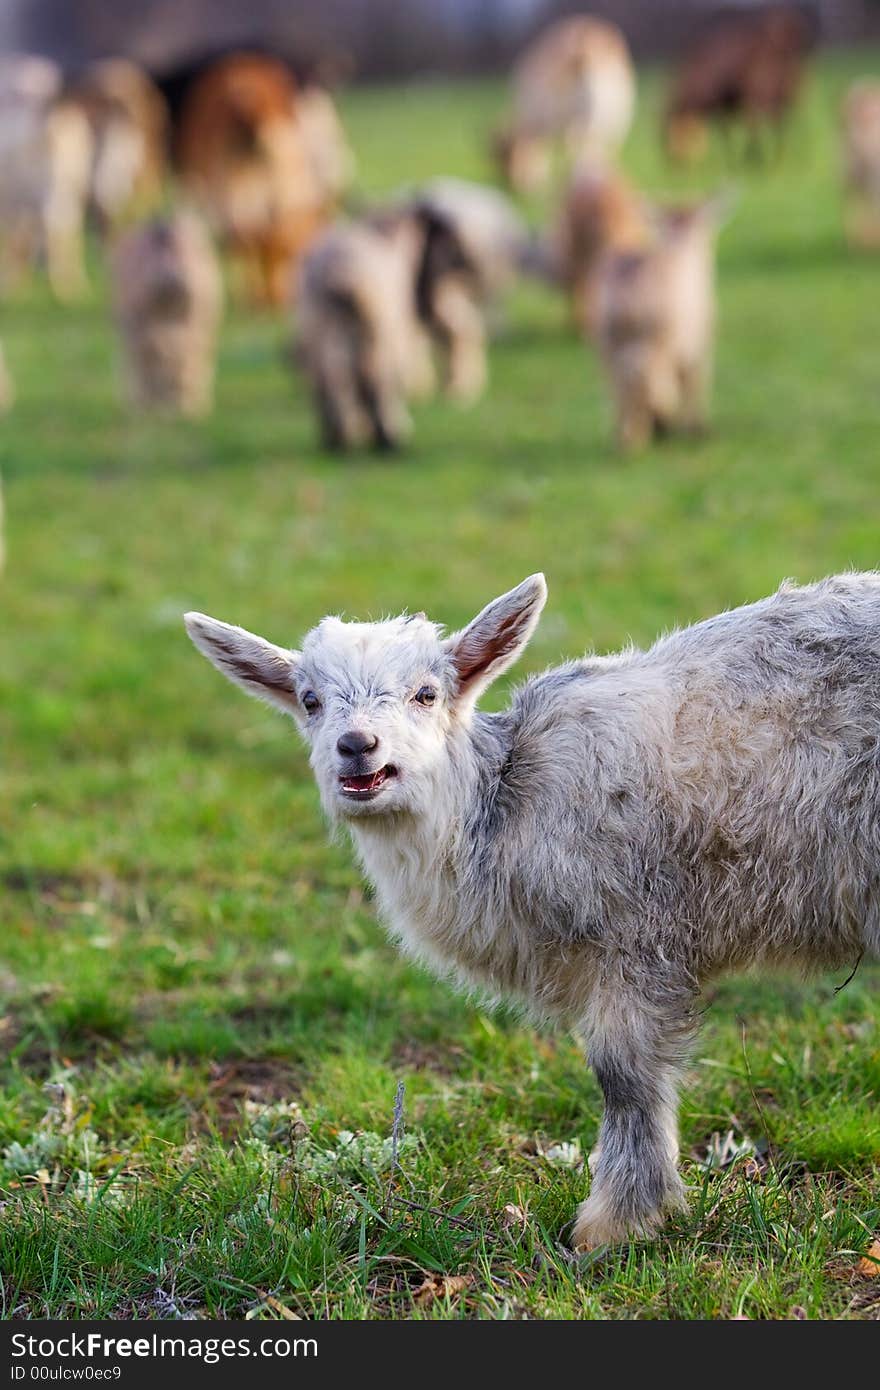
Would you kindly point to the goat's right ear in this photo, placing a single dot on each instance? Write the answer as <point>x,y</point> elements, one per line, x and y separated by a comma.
<point>258,666</point>
<point>495,638</point>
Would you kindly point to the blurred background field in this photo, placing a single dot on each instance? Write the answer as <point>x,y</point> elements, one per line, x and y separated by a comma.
<point>190,959</point>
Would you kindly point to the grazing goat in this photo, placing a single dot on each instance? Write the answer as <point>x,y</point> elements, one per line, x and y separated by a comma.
<point>475,243</point>
<point>268,175</point>
<point>628,829</point>
<point>45,155</point>
<point>601,212</point>
<point>574,85</point>
<point>861,154</point>
<point>128,123</point>
<point>358,336</point>
<point>168,295</point>
<point>746,68</point>
<point>374,295</point>
<point>655,324</point>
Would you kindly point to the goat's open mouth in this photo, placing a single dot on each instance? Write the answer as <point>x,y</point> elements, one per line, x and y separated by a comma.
<point>363,788</point>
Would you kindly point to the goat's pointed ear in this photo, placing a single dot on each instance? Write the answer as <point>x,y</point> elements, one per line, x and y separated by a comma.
<point>258,666</point>
<point>495,638</point>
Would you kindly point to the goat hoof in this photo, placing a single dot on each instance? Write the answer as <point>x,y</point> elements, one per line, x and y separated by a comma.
<point>594,1227</point>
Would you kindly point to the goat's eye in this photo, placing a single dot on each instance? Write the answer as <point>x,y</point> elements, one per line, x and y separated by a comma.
<point>426,696</point>
<point>311,703</point>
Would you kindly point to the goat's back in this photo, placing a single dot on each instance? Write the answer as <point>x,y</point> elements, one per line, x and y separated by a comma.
<point>744,62</point>
<point>244,155</point>
<point>720,791</point>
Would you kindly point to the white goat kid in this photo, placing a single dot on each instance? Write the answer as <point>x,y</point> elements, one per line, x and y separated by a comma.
<point>627,829</point>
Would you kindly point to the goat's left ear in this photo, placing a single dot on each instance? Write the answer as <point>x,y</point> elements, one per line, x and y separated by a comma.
<point>258,666</point>
<point>495,638</point>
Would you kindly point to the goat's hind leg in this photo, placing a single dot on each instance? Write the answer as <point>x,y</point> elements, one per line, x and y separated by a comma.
<point>634,423</point>
<point>381,399</point>
<point>340,412</point>
<point>694,378</point>
<point>460,329</point>
<point>637,1050</point>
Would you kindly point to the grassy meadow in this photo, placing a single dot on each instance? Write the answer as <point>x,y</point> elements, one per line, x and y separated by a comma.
<point>202,1026</point>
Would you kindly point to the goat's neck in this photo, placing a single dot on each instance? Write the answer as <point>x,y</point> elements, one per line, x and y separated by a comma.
<point>416,862</point>
<point>426,842</point>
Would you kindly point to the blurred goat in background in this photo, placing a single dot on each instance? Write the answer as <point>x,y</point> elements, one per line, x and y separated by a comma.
<point>746,69</point>
<point>601,211</point>
<point>267,163</point>
<point>168,295</point>
<point>358,336</point>
<point>128,124</point>
<point>328,152</point>
<point>375,296</point>
<point>45,155</point>
<point>655,325</point>
<point>94,145</point>
<point>861,158</point>
<point>573,89</point>
<point>475,244</point>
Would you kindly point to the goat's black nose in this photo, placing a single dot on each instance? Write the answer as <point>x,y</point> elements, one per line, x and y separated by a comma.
<point>354,743</point>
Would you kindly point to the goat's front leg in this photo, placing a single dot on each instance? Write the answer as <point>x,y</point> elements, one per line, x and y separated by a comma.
<point>637,1051</point>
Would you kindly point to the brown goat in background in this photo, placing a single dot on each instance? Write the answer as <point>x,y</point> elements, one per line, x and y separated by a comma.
<point>746,69</point>
<point>265,166</point>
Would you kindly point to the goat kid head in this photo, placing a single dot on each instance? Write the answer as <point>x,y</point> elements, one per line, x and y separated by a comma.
<point>378,703</point>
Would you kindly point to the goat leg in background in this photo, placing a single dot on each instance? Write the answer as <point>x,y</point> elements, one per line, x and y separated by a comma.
<point>459,325</point>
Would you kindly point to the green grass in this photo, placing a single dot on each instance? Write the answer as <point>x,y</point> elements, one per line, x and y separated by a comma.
<point>186,953</point>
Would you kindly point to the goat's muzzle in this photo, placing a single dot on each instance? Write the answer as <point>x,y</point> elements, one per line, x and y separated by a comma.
<point>366,786</point>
